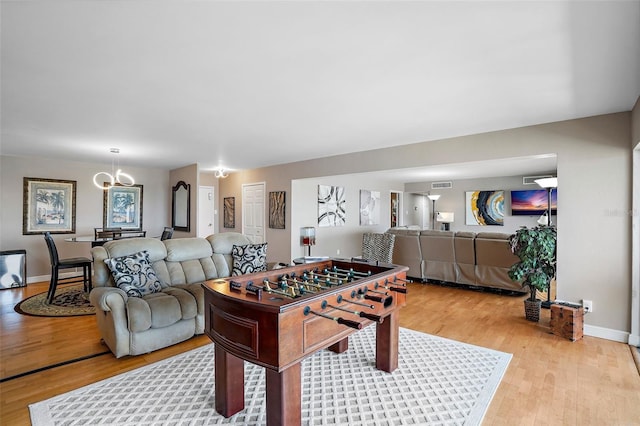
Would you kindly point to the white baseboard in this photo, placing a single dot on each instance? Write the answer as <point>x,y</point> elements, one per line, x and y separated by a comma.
<point>38,279</point>
<point>606,333</point>
<point>634,340</point>
<point>47,278</point>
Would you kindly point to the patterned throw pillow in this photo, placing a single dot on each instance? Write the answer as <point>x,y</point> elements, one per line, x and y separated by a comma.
<point>134,274</point>
<point>249,258</point>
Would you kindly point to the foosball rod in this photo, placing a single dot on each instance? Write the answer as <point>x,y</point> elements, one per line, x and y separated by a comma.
<point>372,317</point>
<point>328,280</point>
<point>347,276</point>
<point>349,323</point>
<point>281,285</point>
<point>396,289</point>
<point>384,293</point>
<point>395,278</point>
<point>352,271</point>
<point>303,286</point>
<point>367,305</point>
<point>268,289</point>
<point>294,281</point>
<point>386,301</point>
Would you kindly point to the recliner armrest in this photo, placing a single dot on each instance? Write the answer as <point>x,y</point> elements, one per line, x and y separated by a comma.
<point>101,273</point>
<point>107,298</point>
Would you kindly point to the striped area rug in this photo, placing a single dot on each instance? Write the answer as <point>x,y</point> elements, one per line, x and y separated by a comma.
<point>438,381</point>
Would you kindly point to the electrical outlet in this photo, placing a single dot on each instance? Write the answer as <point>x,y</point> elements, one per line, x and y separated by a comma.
<point>587,305</point>
<point>338,252</point>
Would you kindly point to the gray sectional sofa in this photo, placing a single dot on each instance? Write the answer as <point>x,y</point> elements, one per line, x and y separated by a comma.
<point>478,259</point>
<point>174,312</point>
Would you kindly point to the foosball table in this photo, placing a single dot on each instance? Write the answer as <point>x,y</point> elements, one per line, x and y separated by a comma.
<point>277,318</point>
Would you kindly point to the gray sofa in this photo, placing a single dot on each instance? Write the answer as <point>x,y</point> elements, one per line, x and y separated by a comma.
<point>478,259</point>
<point>137,325</point>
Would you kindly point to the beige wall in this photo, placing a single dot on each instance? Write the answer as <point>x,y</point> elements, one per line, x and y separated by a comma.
<point>594,173</point>
<point>635,125</point>
<point>337,241</point>
<point>634,339</point>
<point>89,201</point>
<point>190,176</point>
<point>209,179</point>
<point>278,239</point>
<point>453,200</point>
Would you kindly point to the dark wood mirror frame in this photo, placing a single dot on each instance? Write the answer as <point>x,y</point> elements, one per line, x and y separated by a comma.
<point>181,207</point>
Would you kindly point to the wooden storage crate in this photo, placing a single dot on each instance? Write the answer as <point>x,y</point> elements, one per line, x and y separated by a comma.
<point>567,321</point>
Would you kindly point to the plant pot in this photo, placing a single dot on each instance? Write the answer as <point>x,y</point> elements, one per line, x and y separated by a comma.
<point>532,310</point>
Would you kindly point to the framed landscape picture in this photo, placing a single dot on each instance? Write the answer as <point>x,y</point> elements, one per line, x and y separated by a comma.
<point>122,207</point>
<point>49,205</point>
<point>533,202</point>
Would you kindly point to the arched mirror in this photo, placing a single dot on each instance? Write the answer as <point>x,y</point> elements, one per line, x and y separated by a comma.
<point>181,207</point>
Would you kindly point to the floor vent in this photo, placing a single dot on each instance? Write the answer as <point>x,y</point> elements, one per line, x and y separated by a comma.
<point>441,185</point>
<point>531,180</point>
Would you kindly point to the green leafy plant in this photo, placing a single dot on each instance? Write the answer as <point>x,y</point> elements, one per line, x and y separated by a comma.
<point>536,249</point>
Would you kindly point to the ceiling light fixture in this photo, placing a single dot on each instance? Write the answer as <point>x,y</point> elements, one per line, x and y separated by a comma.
<point>220,173</point>
<point>117,177</point>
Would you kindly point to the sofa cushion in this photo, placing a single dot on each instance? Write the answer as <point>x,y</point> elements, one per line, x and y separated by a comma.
<point>181,249</point>
<point>134,274</point>
<point>155,310</point>
<point>126,246</point>
<point>249,258</point>
<point>159,310</point>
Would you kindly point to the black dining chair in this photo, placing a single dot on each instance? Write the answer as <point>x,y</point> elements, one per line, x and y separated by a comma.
<point>57,264</point>
<point>129,234</point>
<point>106,232</point>
<point>102,235</point>
<point>167,233</point>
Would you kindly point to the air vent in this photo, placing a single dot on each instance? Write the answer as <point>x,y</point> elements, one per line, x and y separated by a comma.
<point>441,185</point>
<point>531,180</point>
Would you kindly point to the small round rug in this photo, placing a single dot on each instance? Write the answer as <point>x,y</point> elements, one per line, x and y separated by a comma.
<point>69,301</point>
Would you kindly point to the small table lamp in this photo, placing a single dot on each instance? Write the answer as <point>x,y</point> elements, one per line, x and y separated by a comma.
<point>446,218</point>
<point>308,237</point>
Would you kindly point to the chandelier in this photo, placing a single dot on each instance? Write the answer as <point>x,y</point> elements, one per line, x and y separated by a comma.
<point>117,176</point>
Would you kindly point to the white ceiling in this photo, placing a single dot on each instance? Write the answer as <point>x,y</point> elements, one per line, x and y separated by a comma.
<point>249,84</point>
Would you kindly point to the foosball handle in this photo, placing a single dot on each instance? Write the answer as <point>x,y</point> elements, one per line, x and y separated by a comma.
<point>374,298</point>
<point>353,324</point>
<point>372,317</point>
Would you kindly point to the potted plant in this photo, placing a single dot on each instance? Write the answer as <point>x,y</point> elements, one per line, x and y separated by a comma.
<point>536,249</point>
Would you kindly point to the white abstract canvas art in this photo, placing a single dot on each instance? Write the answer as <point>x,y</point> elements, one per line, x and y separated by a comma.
<point>369,207</point>
<point>331,206</point>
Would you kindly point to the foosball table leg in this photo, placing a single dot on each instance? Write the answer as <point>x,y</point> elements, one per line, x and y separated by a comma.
<point>284,394</point>
<point>387,334</point>
<point>340,347</point>
<point>229,383</point>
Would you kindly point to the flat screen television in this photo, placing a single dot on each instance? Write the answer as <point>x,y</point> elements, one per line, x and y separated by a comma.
<point>532,202</point>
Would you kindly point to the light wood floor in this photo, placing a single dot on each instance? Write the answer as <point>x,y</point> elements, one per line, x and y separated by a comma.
<point>550,380</point>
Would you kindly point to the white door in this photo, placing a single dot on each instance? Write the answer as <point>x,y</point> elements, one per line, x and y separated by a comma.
<point>253,214</point>
<point>206,211</point>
